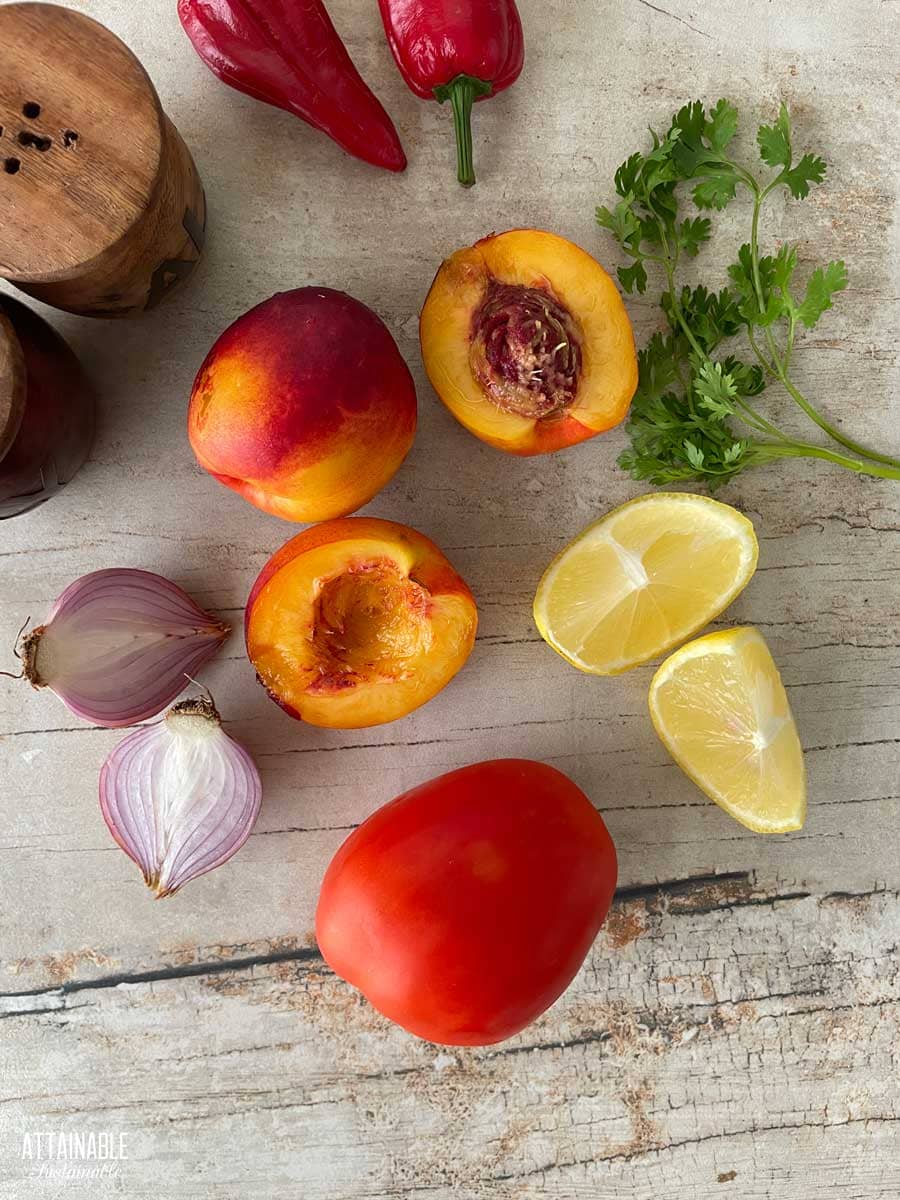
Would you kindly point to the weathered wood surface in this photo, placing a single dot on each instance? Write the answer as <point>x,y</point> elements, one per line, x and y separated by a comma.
<point>732,1036</point>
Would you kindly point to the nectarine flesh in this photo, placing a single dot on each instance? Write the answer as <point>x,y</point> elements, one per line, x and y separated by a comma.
<point>526,340</point>
<point>357,622</point>
<point>304,405</point>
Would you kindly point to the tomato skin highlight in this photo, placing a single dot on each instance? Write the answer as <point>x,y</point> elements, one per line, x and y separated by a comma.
<point>464,908</point>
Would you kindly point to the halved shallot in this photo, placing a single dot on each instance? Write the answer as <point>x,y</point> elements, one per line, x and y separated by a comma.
<point>119,644</point>
<point>180,797</point>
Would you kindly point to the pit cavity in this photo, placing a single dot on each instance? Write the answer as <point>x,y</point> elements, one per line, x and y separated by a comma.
<point>526,350</point>
<point>370,624</point>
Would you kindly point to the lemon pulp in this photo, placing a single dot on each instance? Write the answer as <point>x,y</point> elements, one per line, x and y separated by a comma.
<point>644,578</point>
<point>720,708</point>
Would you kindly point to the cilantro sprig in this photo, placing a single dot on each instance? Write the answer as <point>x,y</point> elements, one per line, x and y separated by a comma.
<point>694,415</point>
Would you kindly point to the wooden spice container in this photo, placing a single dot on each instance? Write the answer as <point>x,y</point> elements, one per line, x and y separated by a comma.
<point>46,410</point>
<point>102,212</point>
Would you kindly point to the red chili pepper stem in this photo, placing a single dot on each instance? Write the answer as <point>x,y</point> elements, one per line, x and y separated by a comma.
<point>462,92</point>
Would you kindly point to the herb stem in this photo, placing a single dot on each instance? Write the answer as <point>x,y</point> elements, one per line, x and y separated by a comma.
<point>686,411</point>
<point>793,449</point>
<point>744,175</point>
<point>778,366</point>
<point>751,417</point>
<point>764,362</point>
<point>792,331</point>
<point>759,198</point>
<point>815,416</point>
<point>670,265</point>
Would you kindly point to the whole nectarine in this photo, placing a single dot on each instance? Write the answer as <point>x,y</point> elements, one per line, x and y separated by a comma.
<point>526,340</point>
<point>304,405</point>
<point>357,622</point>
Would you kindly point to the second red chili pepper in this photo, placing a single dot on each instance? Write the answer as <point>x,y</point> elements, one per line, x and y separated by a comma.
<point>456,50</point>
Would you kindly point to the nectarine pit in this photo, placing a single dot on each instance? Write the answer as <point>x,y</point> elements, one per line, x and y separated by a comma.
<point>526,350</point>
<point>369,623</point>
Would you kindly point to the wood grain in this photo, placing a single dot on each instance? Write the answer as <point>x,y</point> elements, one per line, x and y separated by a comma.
<point>101,207</point>
<point>720,1042</point>
<point>734,1033</point>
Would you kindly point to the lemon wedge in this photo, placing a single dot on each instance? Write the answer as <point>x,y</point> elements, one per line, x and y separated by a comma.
<point>643,579</point>
<point>720,708</point>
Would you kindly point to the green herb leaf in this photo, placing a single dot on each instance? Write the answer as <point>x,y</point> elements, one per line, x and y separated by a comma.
<point>823,283</point>
<point>810,169</point>
<point>693,233</point>
<point>658,365</point>
<point>695,455</point>
<point>711,316</point>
<point>627,175</point>
<point>783,266</point>
<point>633,278</point>
<point>621,221</point>
<point>715,389</point>
<point>650,232</point>
<point>716,191</point>
<point>749,380</point>
<point>690,122</point>
<point>684,417</point>
<point>741,272</point>
<point>775,141</point>
<point>742,276</point>
<point>763,317</point>
<point>665,205</point>
<point>672,442</point>
<point>722,126</point>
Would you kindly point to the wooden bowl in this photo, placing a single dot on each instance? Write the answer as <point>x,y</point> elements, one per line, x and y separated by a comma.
<point>46,410</point>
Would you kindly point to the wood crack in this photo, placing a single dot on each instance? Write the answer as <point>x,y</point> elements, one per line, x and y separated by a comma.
<point>640,891</point>
<point>674,17</point>
<point>163,974</point>
<point>728,891</point>
<point>752,1131</point>
<point>304,829</point>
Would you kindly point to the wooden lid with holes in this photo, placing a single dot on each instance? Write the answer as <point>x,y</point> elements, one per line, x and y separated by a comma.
<point>12,384</point>
<point>81,144</point>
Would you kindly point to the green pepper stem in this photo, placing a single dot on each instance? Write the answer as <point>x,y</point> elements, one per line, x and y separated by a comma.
<point>462,92</point>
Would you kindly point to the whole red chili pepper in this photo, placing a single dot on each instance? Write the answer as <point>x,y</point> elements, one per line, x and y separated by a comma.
<point>288,53</point>
<point>456,50</point>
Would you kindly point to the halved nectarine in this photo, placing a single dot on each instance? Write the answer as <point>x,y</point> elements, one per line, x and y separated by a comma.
<point>357,622</point>
<point>526,340</point>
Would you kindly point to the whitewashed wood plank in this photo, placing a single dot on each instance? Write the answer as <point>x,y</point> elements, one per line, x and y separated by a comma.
<point>261,1079</point>
<point>722,1040</point>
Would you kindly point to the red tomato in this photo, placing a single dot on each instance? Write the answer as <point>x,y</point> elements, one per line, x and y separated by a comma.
<point>465,907</point>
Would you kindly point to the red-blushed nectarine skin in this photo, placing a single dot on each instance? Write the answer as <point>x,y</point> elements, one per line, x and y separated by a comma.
<point>526,381</point>
<point>304,406</point>
<point>464,908</point>
<point>357,622</point>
